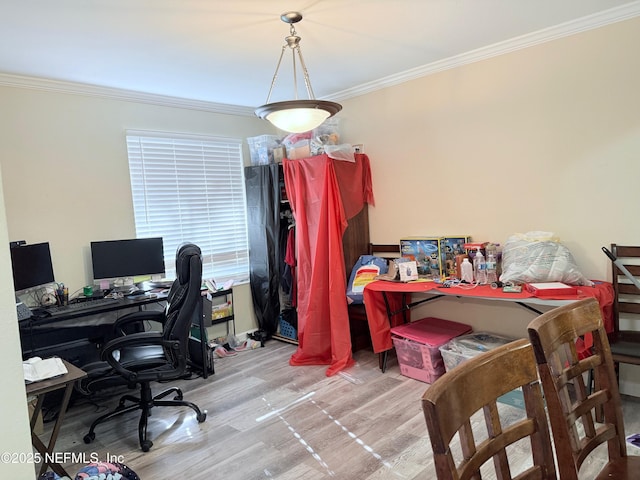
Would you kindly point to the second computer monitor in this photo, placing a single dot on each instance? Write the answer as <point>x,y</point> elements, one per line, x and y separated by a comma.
<point>31,265</point>
<point>127,258</point>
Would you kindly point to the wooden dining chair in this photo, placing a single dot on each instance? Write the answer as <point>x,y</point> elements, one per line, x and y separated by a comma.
<point>581,419</point>
<point>625,338</point>
<point>452,404</point>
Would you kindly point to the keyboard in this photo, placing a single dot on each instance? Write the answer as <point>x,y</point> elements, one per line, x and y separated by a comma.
<point>23,311</point>
<point>79,307</point>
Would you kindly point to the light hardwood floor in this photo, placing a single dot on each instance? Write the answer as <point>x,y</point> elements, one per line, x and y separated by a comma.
<point>269,420</point>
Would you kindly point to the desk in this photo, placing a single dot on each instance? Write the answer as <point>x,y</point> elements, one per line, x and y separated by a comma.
<point>40,389</point>
<point>386,305</point>
<point>119,304</point>
<point>71,335</point>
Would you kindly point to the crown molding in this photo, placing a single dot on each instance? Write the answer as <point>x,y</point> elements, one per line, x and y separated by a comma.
<point>35,83</point>
<point>566,29</point>
<point>573,27</point>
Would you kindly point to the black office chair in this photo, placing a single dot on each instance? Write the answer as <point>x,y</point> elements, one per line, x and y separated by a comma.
<point>142,358</point>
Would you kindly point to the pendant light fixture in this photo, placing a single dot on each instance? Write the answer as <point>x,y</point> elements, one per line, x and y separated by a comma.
<point>296,115</point>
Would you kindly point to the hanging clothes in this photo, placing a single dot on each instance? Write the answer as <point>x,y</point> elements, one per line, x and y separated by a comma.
<point>290,268</point>
<point>324,193</point>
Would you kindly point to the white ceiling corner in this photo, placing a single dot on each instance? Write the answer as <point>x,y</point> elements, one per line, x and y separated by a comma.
<point>215,55</point>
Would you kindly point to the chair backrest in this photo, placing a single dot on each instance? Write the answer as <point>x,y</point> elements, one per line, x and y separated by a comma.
<point>387,251</point>
<point>182,301</point>
<point>626,303</point>
<point>452,405</point>
<point>574,409</point>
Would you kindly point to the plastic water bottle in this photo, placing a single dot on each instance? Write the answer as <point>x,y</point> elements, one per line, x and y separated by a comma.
<point>480,268</point>
<point>491,267</point>
<point>492,248</point>
<point>466,271</point>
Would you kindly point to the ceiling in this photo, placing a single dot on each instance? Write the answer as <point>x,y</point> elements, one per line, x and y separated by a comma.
<point>226,51</point>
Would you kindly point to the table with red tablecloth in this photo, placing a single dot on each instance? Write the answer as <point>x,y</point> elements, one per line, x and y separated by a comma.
<point>387,302</point>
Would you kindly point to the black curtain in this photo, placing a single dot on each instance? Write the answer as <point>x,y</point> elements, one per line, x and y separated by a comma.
<point>264,231</point>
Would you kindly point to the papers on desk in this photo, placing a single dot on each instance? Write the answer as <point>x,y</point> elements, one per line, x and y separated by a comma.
<point>37,369</point>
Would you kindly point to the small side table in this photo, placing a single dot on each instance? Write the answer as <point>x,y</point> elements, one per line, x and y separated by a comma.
<point>40,389</point>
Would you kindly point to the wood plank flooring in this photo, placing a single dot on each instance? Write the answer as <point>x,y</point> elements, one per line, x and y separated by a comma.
<point>269,420</point>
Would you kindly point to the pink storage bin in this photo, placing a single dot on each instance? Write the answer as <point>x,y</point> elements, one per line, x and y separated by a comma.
<point>418,344</point>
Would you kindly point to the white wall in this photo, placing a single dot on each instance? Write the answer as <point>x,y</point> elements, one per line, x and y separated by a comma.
<point>546,138</point>
<point>14,418</point>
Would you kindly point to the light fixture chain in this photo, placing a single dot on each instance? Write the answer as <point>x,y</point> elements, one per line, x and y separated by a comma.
<point>295,73</point>
<point>275,75</point>
<point>305,73</point>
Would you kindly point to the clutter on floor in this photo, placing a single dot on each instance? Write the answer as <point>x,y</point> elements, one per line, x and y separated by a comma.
<point>229,346</point>
<point>97,471</point>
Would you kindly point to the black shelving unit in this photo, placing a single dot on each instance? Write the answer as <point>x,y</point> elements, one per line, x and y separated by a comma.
<point>203,319</point>
<point>226,317</point>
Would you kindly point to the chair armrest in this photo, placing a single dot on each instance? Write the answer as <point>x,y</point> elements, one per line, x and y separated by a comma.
<point>131,341</point>
<point>138,317</point>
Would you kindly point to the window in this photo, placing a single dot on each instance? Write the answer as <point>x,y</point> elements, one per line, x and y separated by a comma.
<point>191,189</point>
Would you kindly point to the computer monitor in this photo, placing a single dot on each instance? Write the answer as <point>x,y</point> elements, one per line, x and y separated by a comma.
<point>31,266</point>
<point>127,258</point>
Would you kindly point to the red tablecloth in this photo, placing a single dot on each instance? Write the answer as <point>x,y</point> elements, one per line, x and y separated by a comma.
<point>380,324</point>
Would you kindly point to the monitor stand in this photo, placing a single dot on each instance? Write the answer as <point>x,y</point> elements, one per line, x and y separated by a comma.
<point>97,295</point>
<point>124,288</point>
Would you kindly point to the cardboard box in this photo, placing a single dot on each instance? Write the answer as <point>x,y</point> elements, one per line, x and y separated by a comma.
<point>417,346</point>
<point>301,149</point>
<point>450,247</point>
<point>221,311</point>
<point>425,251</point>
<point>279,153</point>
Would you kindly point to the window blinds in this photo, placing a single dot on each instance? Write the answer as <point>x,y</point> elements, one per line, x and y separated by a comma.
<point>191,189</point>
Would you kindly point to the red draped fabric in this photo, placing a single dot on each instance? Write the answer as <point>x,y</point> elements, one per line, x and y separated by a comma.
<point>324,193</point>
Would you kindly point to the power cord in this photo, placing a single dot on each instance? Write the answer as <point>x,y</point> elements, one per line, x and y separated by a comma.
<point>467,286</point>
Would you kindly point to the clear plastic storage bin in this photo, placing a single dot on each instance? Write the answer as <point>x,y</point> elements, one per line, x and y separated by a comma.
<point>261,148</point>
<point>465,347</point>
<point>468,346</point>
<point>417,346</point>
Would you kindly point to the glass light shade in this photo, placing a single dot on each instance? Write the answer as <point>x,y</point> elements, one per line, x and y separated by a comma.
<point>298,120</point>
<point>297,116</point>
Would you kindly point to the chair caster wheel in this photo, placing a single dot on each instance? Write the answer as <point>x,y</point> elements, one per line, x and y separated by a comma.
<point>89,437</point>
<point>146,445</point>
<point>202,417</point>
